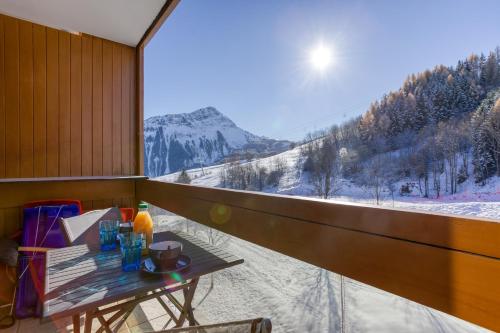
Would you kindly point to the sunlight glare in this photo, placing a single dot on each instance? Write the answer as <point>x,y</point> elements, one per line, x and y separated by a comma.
<point>320,57</point>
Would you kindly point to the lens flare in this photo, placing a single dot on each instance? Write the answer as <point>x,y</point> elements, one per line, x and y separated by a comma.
<point>220,214</point>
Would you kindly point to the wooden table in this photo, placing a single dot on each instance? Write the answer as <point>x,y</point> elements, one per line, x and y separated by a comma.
<point>80,280</point>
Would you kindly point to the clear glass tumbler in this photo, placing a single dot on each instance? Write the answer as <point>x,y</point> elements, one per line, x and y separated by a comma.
<point>130,246</point>
<point>108,230</point>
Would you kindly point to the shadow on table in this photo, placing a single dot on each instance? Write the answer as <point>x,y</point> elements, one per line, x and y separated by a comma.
<point>95,278</point>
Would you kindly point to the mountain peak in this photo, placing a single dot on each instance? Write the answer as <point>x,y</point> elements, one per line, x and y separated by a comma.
<point>206,116</point>
<point>210,114</point>
<point>207,111</point>
<point>202,137</point>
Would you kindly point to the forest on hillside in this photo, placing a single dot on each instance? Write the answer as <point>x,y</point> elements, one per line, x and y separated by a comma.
<point>441,128</point>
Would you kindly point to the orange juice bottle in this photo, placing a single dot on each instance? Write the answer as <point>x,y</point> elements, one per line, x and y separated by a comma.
<point>143,223</point>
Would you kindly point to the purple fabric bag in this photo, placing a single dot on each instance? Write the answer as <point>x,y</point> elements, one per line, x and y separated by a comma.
<point>41,228</point>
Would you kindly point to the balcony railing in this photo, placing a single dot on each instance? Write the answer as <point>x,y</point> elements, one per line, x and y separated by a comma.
<point>449,263</point>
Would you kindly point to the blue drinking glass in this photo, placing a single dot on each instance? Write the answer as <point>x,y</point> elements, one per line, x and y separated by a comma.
<point>108,230</point>
<point>131,246</point>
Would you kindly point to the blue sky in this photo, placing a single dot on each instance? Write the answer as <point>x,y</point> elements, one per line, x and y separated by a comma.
<point>250,59</point>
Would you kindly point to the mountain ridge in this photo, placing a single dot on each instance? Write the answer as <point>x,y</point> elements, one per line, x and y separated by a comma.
<point>199,138</point>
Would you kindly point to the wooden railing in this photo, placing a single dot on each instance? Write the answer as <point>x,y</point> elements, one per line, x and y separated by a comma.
<point>449,263</point>
<point>94,192</point>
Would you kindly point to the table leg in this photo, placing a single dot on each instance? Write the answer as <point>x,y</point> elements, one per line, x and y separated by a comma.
<point>190,314</point>
<point>87,327</point>
<point>76,323</point>
<point>167,309</point>
<point>187,309</point>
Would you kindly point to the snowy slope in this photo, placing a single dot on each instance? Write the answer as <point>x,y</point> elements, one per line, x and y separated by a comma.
<point>210,176</point>
<point>178,141</point>
<point>294,182</point>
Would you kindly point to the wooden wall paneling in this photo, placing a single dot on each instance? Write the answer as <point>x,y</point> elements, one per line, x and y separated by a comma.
<point>26,98</point>
<point>52,102</point>
<point>117,109</point>
<point>67,103</point>
<point>15,194</point>
<point>127,202</point>
<point>39,101</point>
<point>107,108</point>
<point>133,114</point>
<point>102,204</point>
<point>8,222</point>
<point>76,105</point>
<point>11,220</point>
<point>97,105</point>
<point>3,224</point>
<point>2,99</point>
<point>94,192</point>
<point>126,111</point>
<point>87,105</point>
<point>64,104</point>
<point>87,205</point>
<point>12,152</point>
<point>116,202</point>
<point>139,120</point>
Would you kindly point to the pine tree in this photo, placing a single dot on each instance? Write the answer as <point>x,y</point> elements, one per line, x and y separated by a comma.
<point>183,178</point>
<point>483,144</point>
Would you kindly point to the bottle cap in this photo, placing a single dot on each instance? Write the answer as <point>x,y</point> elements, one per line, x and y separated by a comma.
<point>143,205</point>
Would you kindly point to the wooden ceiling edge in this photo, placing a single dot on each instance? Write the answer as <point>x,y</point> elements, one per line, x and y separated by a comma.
<point>57,28</point>
<point>164,13</point>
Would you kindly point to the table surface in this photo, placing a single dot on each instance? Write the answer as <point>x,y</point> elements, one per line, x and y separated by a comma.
<point>78,279</point>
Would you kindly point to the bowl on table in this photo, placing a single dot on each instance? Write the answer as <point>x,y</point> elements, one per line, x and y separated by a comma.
<point>165,254</point>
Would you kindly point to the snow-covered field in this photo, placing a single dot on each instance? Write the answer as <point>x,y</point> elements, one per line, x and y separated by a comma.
<point>294,183</point>
<point>299,297</point>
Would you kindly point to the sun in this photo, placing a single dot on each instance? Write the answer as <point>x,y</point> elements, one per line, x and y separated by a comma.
<point>320,57</point>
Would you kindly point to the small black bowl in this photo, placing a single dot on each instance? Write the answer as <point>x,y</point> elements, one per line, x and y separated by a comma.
<point>165,254</point>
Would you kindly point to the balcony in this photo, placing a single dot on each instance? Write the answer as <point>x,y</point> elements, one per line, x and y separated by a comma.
<point>448,263</point>
<point>73,110</point>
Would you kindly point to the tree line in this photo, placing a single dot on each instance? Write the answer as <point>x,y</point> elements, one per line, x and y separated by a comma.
<point>428,130</point>
<point>252,176</point>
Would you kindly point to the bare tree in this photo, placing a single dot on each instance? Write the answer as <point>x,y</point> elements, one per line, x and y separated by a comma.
<point>323,163</point>
<point>277,170</point>
<point>373,177</point>
<point>448,140</point>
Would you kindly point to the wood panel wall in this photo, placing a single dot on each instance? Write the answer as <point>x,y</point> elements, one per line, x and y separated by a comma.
<point>94,192</point>
<point>67,108</point>
<point>67,103</point>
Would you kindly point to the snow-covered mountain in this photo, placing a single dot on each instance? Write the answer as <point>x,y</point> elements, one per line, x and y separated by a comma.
<point>200,138</point>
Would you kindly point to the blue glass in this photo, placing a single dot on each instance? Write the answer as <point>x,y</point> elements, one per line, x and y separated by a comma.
<point>131,246</point>
<point>108,230</point>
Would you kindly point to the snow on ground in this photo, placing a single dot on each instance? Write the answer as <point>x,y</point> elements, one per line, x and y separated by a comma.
<point>210,176</point>
<point>299,297</point>
<point>294,182</point>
